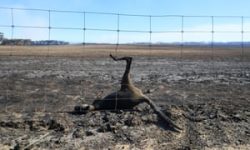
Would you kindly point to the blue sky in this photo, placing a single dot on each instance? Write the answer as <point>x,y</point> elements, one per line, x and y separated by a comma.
<point>145,7</point>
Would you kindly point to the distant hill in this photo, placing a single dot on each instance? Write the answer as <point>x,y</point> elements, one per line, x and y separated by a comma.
<point>206,44</point>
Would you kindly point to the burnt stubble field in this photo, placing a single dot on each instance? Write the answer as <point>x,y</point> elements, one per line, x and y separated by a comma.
<point>40,86</point>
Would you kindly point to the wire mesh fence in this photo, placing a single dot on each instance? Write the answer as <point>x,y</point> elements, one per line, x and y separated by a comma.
<point>99,34</point>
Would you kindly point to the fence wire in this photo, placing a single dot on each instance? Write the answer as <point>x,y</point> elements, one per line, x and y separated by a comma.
<point>118,30</point>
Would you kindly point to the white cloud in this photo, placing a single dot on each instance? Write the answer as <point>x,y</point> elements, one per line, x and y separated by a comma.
<point>31,19</point>
<point>222,32</point>
<point>24,18</point>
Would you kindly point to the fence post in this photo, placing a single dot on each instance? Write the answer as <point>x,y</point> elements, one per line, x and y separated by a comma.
<point>117,34</point>
<point>242,39</point>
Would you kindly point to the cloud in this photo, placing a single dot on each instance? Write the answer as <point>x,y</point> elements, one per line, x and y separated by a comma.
<point>29,20</point>
<point>223,32</point>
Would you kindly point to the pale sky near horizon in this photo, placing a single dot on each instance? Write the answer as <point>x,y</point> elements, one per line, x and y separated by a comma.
<point>230,27</point>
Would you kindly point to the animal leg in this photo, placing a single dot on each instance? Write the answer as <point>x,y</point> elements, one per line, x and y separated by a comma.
<point>161,114</point>
<point>126,81</point>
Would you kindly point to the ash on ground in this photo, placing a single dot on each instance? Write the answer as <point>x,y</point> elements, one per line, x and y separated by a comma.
<point>37,94</point>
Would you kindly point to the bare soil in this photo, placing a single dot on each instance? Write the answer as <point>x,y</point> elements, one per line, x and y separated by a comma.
<point>37,94</point>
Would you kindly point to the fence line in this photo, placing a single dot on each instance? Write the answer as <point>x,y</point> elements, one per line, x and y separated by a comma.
<point>119,15</point>
<point>118,30</point>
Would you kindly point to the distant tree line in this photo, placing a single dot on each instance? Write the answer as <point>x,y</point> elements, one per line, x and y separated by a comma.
<point>1,37</point>
<point>21,42</point>
<point>16,42</point>
<point>49,42</point>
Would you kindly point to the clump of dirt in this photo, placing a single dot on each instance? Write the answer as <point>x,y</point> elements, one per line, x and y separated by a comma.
<point>94,129</point>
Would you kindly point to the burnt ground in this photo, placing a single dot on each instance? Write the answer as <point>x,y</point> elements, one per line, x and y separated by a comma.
<point>36,94</point>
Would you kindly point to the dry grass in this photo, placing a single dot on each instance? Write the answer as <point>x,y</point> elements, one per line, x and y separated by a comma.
<point>104,50</point>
